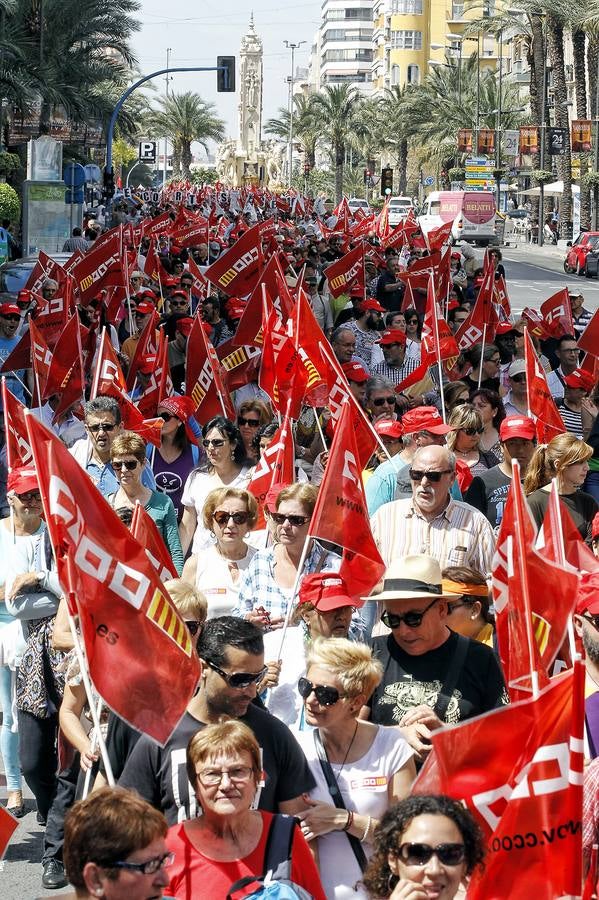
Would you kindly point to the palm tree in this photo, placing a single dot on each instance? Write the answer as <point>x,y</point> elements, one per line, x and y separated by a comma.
<point>184,118</point>
<point>335,109</point>
<point>398,127</point>
<point>305,127</point>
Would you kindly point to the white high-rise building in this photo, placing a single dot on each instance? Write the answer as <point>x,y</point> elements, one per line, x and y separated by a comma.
<point>343,50</point>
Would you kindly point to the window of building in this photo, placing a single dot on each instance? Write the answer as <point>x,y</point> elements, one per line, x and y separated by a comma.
<point>406,7</point>
<point>358,13</point>
<point>406,40</point>
<point>395,74</point>
<point>413,74</point>
<point>457,10</point>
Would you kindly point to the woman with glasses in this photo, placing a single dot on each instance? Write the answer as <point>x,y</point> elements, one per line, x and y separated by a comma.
<point>128,457</point>
<point>469,614</point>
<point>178,453</point>
<point>252,415</point>
<point>229,841</point>
<point>230,514</point>
<point>226,466</point>
<point>367,767</point>
<point>115,847</point>
<point>455,393</point>
<point>425,846</point>
<point>464,439</point>
<point>487,359</point>
<point>490,407</point>
<point>267,586</point>
<point>565,458</point>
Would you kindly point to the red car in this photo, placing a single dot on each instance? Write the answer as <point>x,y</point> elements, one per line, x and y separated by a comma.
<point>576,258</point>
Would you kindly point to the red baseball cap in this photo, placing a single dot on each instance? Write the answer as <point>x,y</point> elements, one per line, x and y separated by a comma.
<point>326,591</point>
<point>147,365</point>
<point>580,379</point>
<point>424,418</point>
<point>180,293</point>
<point>184,325</point>
<point>353,371</point>
<point>504,328</point>
<point>148,292</point>
<point>517,427</point>
<point>183,408</point>
<point>588,593</point>
<point>9,309</point>
<point>144,308</point>
<point>372,303</point>
<point>22,479</point>
<point>170,281</point>
<point>388,428</point>
<point>393,336</point>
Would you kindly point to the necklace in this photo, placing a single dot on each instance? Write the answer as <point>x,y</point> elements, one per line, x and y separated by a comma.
<point>351,743</point>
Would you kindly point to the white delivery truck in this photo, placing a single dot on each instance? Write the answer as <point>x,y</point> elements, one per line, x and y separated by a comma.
<point>472,214</point>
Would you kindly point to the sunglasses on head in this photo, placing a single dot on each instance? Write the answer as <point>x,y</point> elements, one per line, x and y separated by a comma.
<point>325,694</point>
<point>412,619</point>
<point>434,477</point>
<point>296,521</point>
<point>128,464</point>
<point>251,423</point>
<point>421,854</point>
<point>238,680</point>
<point>213,442</point>
<point>380,401</point>
<point>102,426</point>
<point>472,431</point>
<point>28,496</point>
<point>221,517</point>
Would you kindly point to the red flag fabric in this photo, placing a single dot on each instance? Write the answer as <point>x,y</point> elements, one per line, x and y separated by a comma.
<point>589,339</point>
<point>236,272</point>
<point>147,345</point>
<point>339,394</point>
<point>100,267</point>
<point>483,318</point>
<point>249,329</point>
<point>559,539</point>
<point>542,406</point>
<point>66,352</point>
<point>307,337</point>
<point>346,273</point>
<point>160,384</point>
<point>45,267</point>
<point>519,771</point>
<point>52,315</point>
<point>18,448</point>
<point>8,825</point>
<point>275,466</point>
<point>341,514</point>
<point>200,283</point>
<point>502,299</point>
<point>204,380</point>
<point>438,341</point>
<point>145,532</point>
<point>557,314</point>
<point>283,375</point>
<point>133,636</point>
<point>438,237</point>
<point>41,359</point>
<point>240,364</point>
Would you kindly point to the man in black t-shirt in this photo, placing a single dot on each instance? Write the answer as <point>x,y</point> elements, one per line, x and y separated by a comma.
<point>431,676</point>
<point>232,654</point>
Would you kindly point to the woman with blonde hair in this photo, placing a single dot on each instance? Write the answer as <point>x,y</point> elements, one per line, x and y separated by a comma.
<point>230,514</point>
<point>361,769</point>
<point>565,458</point>
<point>464,439</point>
<point>229,841</point>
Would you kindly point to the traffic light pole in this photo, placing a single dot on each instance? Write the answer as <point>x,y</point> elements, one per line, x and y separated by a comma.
<point>108,169</point>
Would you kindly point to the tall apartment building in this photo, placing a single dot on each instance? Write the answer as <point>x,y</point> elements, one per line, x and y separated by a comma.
<point>342,51</point>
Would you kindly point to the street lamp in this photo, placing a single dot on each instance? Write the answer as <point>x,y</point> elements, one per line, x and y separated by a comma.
<point>293,47</point>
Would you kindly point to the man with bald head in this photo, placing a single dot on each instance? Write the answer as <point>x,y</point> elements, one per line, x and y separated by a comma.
<point>431,522</point>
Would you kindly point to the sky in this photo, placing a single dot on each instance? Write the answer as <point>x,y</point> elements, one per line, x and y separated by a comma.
<point>198,32</point>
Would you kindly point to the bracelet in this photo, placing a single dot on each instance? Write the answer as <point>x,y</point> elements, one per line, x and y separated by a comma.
<point>368,824</point>
<point>350,820</point>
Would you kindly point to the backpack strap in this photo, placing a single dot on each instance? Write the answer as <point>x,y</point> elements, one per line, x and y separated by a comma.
<point>451,679</point>
<point>277,854</point>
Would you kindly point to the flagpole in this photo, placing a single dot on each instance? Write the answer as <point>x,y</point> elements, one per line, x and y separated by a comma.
<point>526,354</point>
<point>534,675</point>
<point>24,386</point>
<point>94,743</point>
<point>561,558</point>
<point>482,356</point>
<point>290,605</point>
<point>319,427</point>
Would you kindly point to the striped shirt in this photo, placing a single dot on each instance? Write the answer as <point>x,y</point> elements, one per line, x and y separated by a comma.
<point>396,374</point>
<point>571,419</point>
<point>459,536</point>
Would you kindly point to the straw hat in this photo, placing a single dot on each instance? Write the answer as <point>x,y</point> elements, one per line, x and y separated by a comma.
<point>411,577</point>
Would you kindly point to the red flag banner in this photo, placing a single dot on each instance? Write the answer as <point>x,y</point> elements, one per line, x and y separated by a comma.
<point>240,364</point>
<point>204,380</point>
<point>275,466</point>
<point>8,826</point>
<point>283,375</point>
<point>589,339</point>
<point>484,313</point>
<point>236,272</point>
<point>18,448</point>
<point>557,314</point>
<point>133,635</point>
<point>347,272</point>
<point>45,267</point>
<point>540,402</point>
<point>101,267</point>
<point>145,532</point>
<point>339,395</point>
<point>438,341</point>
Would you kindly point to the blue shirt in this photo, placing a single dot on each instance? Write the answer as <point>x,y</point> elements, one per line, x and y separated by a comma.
<point>382,484</point>
<point>7,345</point>
<point>106,481</point>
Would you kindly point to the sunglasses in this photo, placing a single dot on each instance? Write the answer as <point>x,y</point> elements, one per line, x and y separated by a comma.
<point>472,431</point>
<point>238,680</point>
<point>103,426</point>
<point>412,619</point>
<point>296,521</point>
<point>29,496</point>
<point>380,401</point>
<point>518,378</point>
<point>194,626</point>
<point>222,518</point>
<point>325,695</point>
<point>12,318</point>
<point>166,417</point>
<point>433,477</point>
<point>129,464</point>
<point>251,423</point>
<point>420,854</point>
<point>217,442</point>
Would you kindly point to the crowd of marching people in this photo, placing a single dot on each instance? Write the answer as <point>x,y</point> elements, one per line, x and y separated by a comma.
<point>299,561</point>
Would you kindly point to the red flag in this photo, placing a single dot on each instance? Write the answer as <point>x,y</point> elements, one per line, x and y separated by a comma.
<point>559,539</point>
<point>519,771</point>
<point>8,825</point>
<point>275,466</point>
<point>134,637</point>
<point>158,225</point>
<point>145,532</point>
<point>147,345</point>
<point>41,359</point>
<point>589,339</point>
<point>203,377</point>
<point>190,233</point>
<point>45,267</point>
<point>438,341</point>
<point>101,267</point>
<point>249,329</point>
<point>18,448</point>
<point>307,337</point>
<point>347,272</point>
<point>236,272</point>
<point>438,237</point>
<point>557,314</point>
<point>339,395</point>
<point>200,283</point>
<point>483,319</point>
<point>160,384</point>
<point>502,300</point>
<point>66,353</point>
<point>341,515</point>
<point>542,406</point>
<point>283,375</point>
<point>52,315</point>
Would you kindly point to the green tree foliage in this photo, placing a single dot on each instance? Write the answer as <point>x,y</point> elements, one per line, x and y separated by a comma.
<point>10,206</point>
<point>185,118</point>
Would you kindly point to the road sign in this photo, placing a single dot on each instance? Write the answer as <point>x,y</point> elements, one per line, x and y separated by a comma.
<point>429,180</point>
<point>147,151</point>
<point>76,196</point>
<point>74,175</point>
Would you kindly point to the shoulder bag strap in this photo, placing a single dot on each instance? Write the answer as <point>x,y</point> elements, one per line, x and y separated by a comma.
<point>336,796</point>
<point>451,679</point>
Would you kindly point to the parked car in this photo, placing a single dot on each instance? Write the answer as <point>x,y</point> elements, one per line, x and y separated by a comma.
<point>14,275</point>
<point>356,203</point>
<point>576,257</point>
<point>399,207</point>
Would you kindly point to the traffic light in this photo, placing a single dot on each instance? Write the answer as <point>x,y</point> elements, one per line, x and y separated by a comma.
<point>108,190</point>
<point>367,176</point>
<point>386,181</point>
<point>225,76</point>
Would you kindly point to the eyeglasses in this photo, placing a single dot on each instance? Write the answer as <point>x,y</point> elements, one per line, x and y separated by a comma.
<point>495,361</point>
<point>102,426</point>
<point>412,619</point>
<point>453,606</point>
<point>472,431</point>
<point>166,417</point>
<point>433,477</point>
<point>221,517</point>
<point>296,521</point>
<point>251,423</point>
<point>593,620</point>
<point>216,442</point>
<point>238,680</point>
<point>212,777</point>
<point>129,464</point>
<point>420,854</point>
<point>518,378</point>
<point>380,401</point>
<point>148,868</point>
<point>194,626</point>
<point>179,303</point>
<point>324,693</point>
<point>29,496</point>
